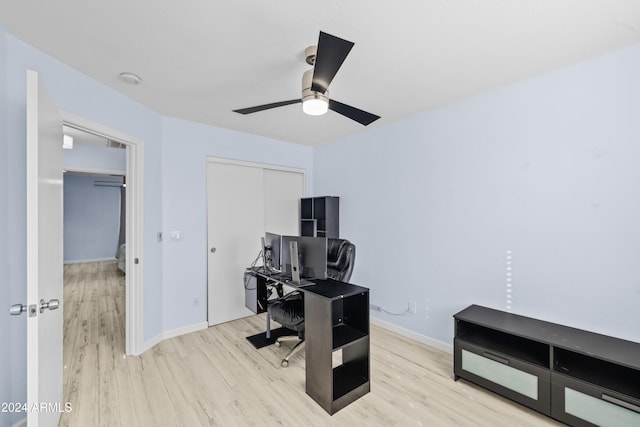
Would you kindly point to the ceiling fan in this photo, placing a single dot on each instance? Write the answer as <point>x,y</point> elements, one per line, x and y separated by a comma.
<point>326,58</point>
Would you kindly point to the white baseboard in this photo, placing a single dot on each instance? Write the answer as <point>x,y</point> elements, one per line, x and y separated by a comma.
<point>431,342</point>
<point>84,261</point>
<point>20,423</point>
<point>174,333</point>
<point>148,345</point>
<point>184,330</point>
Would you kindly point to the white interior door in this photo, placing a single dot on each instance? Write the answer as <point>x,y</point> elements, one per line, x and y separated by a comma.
<point>244,201</point>
<point>235,209</point>
<point>44,256</point>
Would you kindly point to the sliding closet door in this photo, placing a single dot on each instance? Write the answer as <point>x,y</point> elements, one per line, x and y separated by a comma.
<point>235,222</point>
<point>243,201</point>
<point>282,193</point>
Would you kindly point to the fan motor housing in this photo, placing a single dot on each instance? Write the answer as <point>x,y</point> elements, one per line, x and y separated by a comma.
<point>307,93</point>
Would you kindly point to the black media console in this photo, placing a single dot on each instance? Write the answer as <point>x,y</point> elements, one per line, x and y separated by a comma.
<point>580,378</point>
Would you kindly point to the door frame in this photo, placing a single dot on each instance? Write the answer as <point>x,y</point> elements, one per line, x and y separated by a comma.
<point>225,160</point>
<point>134,279</point>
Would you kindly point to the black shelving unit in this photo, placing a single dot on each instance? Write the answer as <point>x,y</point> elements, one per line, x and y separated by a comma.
<point>319,216</point>
<point>334,387</point>
<point>578,377</point>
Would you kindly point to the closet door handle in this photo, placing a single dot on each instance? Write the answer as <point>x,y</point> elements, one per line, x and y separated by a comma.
<point>620,402</point>
<point>495,358</point>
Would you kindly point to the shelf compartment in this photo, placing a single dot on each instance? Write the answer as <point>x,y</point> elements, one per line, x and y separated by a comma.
<point>319,208</point>
<point>599,372</point>
<point>308,227</point>
<point>349,377</point>
<point>524,349</point>
<point>326,213</point>
<point>306,208</point>
<point>352,311</point>
<point>581,404</point>
<point>345,334</point>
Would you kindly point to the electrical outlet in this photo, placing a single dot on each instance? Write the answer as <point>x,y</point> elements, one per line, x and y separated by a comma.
<point>412,307</point>
<point>375,307</point>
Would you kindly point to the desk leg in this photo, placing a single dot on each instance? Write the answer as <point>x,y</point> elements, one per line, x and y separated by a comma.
<point>268,332</point>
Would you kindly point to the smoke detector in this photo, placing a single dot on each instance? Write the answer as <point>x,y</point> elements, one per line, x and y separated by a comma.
<point>130,78</point>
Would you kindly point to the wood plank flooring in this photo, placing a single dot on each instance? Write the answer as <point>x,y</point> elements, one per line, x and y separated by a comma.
<point>216,378</point>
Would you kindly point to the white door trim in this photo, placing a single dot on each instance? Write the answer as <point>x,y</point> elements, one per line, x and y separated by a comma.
<point>98,171</point>
<point>135,226</point>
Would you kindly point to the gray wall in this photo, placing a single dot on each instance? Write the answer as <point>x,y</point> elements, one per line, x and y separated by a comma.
<point>91,217</point>
<point>547,169</point>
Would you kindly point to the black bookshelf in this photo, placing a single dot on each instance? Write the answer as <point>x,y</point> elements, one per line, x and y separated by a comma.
<point>320,217</point>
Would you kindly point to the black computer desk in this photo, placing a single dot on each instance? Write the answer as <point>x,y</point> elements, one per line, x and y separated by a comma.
<point>336,323</point>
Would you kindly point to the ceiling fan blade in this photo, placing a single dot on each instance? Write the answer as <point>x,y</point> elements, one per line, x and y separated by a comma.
<point>331,53</point>
<point>353,113</point>
<point>266,106</point>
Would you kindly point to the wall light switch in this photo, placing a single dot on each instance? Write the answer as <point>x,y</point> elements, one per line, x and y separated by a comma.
<point>176,235</point>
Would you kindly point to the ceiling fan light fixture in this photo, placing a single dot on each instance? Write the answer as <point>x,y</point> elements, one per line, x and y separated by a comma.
<point>315,104</point>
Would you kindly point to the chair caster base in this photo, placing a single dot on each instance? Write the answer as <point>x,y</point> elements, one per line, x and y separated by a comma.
<point>284,363</point>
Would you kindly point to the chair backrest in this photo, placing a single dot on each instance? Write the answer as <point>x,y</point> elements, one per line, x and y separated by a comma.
<point>341,256</point>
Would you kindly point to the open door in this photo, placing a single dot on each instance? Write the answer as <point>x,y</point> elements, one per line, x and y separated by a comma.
<point>44,257</point>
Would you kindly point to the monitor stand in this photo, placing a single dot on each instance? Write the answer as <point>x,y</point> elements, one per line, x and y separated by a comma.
<point>295,264</point>
<point>264,256</point>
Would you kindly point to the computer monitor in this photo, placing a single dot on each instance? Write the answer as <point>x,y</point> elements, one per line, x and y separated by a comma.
<point>272,245</point>
<point>312,255</point>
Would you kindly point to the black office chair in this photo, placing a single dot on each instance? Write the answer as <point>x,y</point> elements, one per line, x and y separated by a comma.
<point>341,255</point>
<point>289,310</point>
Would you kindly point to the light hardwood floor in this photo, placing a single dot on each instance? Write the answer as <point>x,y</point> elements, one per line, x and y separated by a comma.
<point>216,378</point>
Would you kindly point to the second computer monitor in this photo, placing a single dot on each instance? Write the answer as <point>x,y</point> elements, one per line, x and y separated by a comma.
<point>272,245</point>
<point>312,255</point>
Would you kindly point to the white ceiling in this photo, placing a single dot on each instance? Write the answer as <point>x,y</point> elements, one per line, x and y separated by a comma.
<point>199,59</point>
